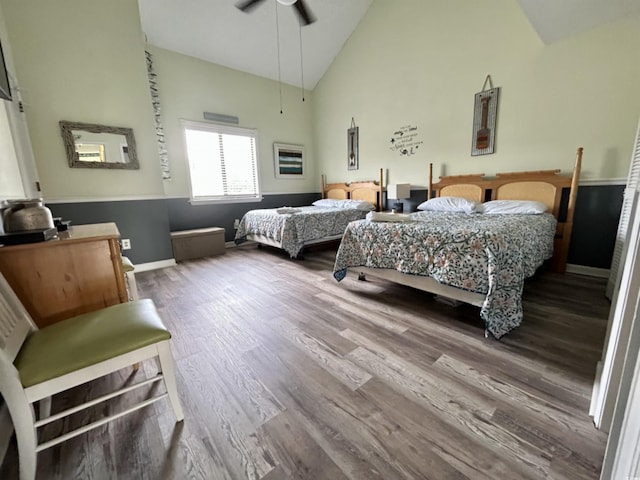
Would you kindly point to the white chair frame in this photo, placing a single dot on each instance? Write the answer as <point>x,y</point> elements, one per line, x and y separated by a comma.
<point>15,326</point>
<point>130,281</point>
<point>132,286</point>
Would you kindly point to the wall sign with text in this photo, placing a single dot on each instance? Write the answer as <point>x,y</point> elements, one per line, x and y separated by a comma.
<point>405,140</point>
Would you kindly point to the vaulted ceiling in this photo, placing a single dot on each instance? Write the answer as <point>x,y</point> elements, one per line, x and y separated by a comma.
<point>218,32</point>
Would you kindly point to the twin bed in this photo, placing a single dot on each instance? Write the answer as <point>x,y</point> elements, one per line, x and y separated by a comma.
<point>291,229</point>
<point>477,258</point>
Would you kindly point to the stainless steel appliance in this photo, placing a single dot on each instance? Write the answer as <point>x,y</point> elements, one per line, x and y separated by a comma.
<point>25,215</point>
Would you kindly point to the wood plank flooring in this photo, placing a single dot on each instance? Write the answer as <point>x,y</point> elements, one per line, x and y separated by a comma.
<point>286,374</point>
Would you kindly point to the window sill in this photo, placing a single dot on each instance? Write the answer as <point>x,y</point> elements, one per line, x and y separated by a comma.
<point>212,201</point>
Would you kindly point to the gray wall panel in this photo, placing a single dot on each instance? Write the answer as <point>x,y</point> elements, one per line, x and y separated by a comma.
<point>148,222</point>
<point>144,222</point>
<point>595,224</point>
<point>184,216</point>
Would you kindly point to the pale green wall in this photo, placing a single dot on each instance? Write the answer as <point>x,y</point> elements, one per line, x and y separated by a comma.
<point>188,87</point>
<point>83,61</point>
<point>420,63</point>
<point>408,62</point>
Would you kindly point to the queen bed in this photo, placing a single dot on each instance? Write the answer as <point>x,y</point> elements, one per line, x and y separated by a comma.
<point>472,257</point>
<point>293,228</point>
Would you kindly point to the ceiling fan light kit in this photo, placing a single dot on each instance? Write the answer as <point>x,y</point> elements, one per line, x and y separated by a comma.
<point>306,18</point>
<point>304,14</point>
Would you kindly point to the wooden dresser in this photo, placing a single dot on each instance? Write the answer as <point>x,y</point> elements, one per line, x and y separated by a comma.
<point>79,272</point>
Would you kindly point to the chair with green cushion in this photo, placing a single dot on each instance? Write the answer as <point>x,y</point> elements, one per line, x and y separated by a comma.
<point>38,363</point>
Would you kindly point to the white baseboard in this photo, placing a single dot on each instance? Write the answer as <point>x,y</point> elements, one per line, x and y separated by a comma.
<point>6,430</point>
<point>143,267</point>
<point>588,271</point>
<point>171,262</point>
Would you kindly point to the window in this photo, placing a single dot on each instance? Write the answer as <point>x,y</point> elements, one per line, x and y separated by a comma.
<point>223,163</point>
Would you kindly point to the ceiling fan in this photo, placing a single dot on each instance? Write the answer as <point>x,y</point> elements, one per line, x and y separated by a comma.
<point>305,15</point>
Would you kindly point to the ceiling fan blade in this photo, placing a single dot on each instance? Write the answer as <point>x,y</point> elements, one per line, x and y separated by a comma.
<point>248,5</point>
<point>306,17</point>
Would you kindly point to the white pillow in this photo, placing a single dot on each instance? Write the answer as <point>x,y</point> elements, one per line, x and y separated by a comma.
<point>326,202</point>
<point>449,204</point>
<point>527,207</point>
<point>357,204</point>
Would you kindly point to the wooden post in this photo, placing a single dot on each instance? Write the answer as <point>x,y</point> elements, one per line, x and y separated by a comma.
<point>560,265</point>
<point>430,188</point>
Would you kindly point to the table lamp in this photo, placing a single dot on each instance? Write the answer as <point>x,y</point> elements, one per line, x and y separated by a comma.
<point>398,191</point>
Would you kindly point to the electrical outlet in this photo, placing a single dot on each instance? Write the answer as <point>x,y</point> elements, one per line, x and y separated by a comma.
<point>236,223</point>
<point>126,244</point>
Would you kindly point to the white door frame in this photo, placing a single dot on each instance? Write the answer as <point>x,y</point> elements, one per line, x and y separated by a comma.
<point>621,319</point>
<point>616,399</point>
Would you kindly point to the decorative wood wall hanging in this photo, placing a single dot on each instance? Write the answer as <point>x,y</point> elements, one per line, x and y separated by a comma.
<point>405,140</point>
<point>155,100</point>
<point>484,119</point>
<point>353,162</point>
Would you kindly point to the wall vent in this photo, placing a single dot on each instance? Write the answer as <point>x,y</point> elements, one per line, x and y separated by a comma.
<point>219,117</point>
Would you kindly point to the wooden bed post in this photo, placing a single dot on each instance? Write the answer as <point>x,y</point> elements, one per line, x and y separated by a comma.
<point>430,188</point>
<point>574,185</point>
<point>323,185</point>
<point>561,265</point>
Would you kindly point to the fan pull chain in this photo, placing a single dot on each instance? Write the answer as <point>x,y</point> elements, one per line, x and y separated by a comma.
<point>278,44</point>
<point>301,65</point>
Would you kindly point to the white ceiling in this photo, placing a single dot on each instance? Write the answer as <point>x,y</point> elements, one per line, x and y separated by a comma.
<point>216,31</point>
<point>559,19</point>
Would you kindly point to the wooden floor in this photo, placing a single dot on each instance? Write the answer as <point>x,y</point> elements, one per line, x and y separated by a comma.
<point>286,374</point>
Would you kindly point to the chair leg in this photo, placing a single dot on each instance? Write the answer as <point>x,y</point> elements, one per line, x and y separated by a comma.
<point>23,418</point>
<point>168,372</point>
<point>132,291</point>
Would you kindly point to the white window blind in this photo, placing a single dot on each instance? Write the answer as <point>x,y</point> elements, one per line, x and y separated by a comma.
<point>633,184</point>
<point>223,163</point>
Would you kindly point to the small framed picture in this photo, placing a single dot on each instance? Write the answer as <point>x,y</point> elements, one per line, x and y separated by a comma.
<point>289,160</point>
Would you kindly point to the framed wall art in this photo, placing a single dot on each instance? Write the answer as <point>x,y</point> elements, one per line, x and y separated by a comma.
<point>485,114</point>
<point>289,160</point>
<point>353,162</point>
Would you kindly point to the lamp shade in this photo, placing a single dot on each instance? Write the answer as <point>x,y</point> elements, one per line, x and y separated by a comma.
<point>398,190</point>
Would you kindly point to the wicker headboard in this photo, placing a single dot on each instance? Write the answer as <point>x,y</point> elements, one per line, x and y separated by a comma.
<point>472,187</point>
<point>544,186</point>
<point>367,190</point>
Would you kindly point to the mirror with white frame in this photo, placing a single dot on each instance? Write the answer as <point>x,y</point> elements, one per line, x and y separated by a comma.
<point>90,145</point>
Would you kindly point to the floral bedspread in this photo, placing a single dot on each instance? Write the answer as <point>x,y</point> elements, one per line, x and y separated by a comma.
<point>487,254</point>
<point>293,230</point>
